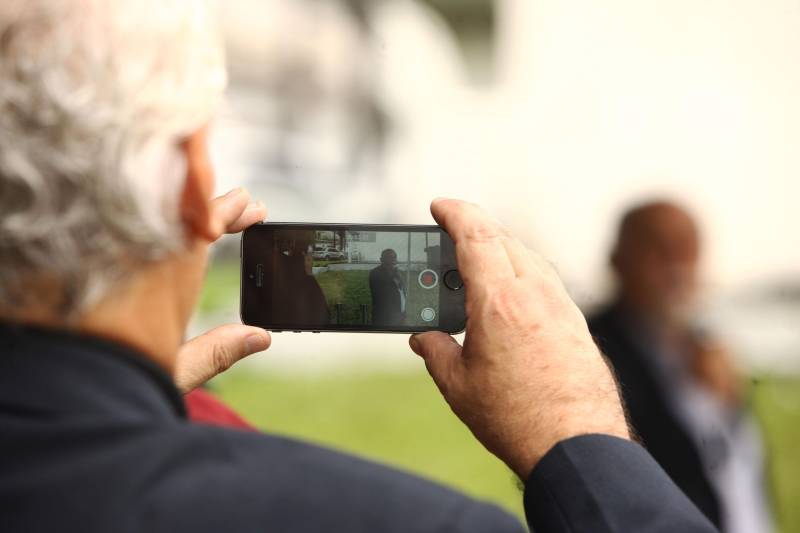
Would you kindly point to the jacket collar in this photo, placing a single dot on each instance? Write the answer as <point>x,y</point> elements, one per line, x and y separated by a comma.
<point>58,373</point>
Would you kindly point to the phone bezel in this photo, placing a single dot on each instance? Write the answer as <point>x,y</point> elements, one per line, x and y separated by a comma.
<point>451,302</point>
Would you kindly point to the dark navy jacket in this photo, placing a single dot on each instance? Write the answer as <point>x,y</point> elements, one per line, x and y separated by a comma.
<point>93,438</point>
<point>665,436</point>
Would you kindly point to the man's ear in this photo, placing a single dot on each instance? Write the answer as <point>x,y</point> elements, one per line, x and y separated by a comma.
<point>615,261</point>
<point>196,213</point>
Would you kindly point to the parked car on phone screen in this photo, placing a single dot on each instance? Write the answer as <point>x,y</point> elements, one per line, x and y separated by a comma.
<point>326,252</point>
<point>334,254</point>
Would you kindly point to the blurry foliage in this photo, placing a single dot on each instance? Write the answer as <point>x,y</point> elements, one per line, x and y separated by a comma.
<point>466,15</point>
<point>473,23</point>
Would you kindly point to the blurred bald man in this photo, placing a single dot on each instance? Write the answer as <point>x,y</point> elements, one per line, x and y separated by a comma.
<point>682,390</point>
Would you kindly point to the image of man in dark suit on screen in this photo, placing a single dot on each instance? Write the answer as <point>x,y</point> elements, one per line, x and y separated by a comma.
<point>388,291</point>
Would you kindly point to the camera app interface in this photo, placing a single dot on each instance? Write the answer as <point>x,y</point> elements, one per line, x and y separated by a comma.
<point>380,279</point>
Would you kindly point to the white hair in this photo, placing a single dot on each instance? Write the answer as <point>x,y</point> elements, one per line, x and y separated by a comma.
<point>96,98</point>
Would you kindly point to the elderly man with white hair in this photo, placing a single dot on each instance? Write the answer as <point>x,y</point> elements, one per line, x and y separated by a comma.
<point>105,222</point>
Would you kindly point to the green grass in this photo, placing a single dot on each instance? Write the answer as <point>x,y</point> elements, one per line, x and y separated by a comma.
<point>326,262</point>
<point>401,420</point>
<point>351,289</point>
<point>221,289</point>
<point>777,403</point>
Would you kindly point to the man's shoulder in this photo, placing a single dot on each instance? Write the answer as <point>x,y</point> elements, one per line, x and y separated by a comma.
<point>612,335</point>
<point>224,478</point>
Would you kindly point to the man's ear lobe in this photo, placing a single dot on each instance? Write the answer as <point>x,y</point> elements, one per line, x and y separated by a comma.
<point>196,212</point>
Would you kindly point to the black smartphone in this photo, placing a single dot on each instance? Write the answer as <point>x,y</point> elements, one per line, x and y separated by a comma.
<point>350,277</point>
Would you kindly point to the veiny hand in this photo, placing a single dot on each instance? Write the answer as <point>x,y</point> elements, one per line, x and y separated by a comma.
<point>529,374</point>
<point>203,357</point>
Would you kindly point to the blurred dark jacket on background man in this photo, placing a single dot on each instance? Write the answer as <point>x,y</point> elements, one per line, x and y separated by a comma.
<point>387,290</point>
<point>648,407</point>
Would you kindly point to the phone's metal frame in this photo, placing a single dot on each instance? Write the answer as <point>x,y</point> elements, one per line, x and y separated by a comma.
<point>366,227</point>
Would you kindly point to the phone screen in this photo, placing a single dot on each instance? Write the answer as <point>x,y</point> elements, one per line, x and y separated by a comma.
<point>350,278</point>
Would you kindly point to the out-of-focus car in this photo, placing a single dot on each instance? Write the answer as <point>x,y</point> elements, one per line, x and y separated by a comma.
<point>319,251</point>
<point>326,252</point>
<point>334,254</point>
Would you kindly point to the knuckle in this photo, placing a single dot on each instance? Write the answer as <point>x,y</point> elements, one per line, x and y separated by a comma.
<point>508,304</point>
<point>221,357</point>
<point>511,298</point>
<point>482,232</point>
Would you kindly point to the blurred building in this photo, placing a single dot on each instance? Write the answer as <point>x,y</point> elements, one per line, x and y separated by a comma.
<point>554,115</point>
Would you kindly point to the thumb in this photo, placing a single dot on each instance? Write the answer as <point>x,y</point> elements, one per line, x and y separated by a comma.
<point>441,353</point>
<point>203,357</point>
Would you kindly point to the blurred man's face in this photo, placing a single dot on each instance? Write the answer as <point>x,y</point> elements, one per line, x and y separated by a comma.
<point>658,261</point>
<point>389,259</point>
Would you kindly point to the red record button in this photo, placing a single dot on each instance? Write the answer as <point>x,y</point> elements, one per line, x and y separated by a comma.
<point>428,279</point>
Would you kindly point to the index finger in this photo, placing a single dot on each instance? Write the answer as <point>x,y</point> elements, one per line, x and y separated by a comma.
<point>235,212</point>
<point>479,239</point>
<point>255,212</point>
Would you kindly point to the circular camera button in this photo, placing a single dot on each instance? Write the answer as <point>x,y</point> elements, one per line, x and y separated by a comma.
<point>453,281</point>
<point>428,279</point>
<point>428,314</point>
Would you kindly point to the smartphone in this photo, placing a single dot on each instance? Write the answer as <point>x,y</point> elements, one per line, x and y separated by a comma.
<point>350,277</point>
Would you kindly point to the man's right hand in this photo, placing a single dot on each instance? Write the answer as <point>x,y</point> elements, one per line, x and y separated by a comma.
<point>529,374</point>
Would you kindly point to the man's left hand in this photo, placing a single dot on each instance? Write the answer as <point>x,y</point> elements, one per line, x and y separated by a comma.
<point>203,357</point>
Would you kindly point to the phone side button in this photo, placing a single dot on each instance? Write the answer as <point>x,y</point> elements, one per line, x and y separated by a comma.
<point>297,331</point>
<point>315,332</point>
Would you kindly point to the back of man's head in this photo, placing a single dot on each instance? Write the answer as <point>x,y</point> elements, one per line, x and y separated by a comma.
<point>97,97</point>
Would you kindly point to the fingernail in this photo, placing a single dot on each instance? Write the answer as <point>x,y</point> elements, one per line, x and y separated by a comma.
<point>234,192</point>
<point>255,205</point>
<point>257,343</point>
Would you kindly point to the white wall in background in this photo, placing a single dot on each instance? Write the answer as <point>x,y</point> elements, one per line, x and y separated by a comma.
<point>598,104</point>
